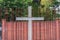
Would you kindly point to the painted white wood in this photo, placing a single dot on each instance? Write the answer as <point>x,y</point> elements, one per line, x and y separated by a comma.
<point>30,29</point>
<point>29,18</point>
<point>29,11</point>
<point>30,23</point>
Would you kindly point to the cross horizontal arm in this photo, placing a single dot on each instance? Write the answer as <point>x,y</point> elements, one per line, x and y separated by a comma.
<point>27,18</point>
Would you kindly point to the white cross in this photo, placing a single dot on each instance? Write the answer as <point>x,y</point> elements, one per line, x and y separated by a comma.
<point>29,18</point>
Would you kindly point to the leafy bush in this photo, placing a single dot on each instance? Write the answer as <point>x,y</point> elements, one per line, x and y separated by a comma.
<point>21,5</point>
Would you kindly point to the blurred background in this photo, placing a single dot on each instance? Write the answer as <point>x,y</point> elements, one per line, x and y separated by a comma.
<point>10,9</point>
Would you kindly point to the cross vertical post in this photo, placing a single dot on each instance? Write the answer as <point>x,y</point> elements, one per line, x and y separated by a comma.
<point>30,23</point>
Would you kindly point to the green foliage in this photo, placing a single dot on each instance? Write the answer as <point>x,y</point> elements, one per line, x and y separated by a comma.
<point>38,9</point>
<point>1,0</point>
<point>49,14</point>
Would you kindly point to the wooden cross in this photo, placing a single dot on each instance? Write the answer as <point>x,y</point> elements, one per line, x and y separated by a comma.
<point>29,18</point>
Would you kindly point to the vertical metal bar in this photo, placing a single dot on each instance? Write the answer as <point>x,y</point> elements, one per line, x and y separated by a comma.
<point>6,27</point>
<point>24,33</point>
<point>57,29</point>
<point>45,31</point>
<point>49,24</point>
<point>38,31</point>
<point>35,30</point>
<point>51,30</point>
<point>14,30</point>
<point>19,31</point>
<point>26,30</point>
<point>22,29</point>
<point>9,31</point>
<point>25,37</point>
<point>3,27</point>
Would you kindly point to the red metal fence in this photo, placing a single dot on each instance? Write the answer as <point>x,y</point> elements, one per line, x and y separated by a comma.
<point>42,30</point>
